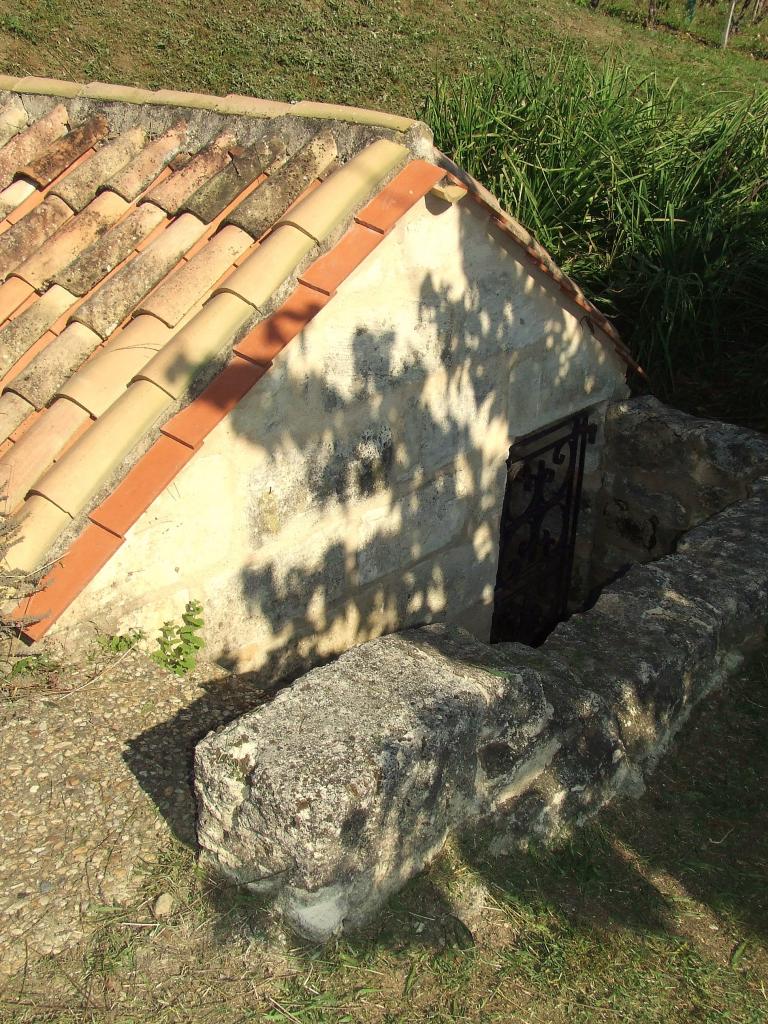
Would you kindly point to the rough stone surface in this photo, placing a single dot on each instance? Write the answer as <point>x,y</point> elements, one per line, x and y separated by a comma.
<point>411,735</point>
<point>347,784</point>
<point>663,472</point>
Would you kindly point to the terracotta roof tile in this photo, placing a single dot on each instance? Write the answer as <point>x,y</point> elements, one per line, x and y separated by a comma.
<point>33,85</point>
<point>200,100</point>
<point>92,460</point>
<point>261,209</point>
<point>109,305</point>
<point>80,186</point>
<point>141,486</point>
<point>170,194</point>
<point>31,456</point>
<point>18,335</point>
<point>154,233</point>
<point>72,239</point>
<point>356,115</point>
<point>40,381</point>
<point>13,411</point>
<point>13,118</point>
<point>192,425</point>
<point>25,238</point>
<point>34,349</point>
<point>37,195</point>
<point>110,250</point>
<point>29,420</point>
<point>31,142</point>
<point>274,260</point>
<point>410,185</point>
<point>126,323</point>
<point>216,194</point>
<point>117,93</point>
<point>132,180</point>
<point>92,550</point>
<point>102,379</point>
<point>327,272</point>
<point>40,524</point>
<point>12,294</point>
<point>320,212</point>
<point>178,363</point>
<point>254,107</point>
<point>269,338</point>
<point>62,153</point>
<point>179,292</point>
<point>13,196</point>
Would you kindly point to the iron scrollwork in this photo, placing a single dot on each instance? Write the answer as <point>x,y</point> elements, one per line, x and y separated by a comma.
<point>538,530</point>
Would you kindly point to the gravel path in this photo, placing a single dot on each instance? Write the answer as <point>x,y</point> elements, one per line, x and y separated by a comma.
<point>95,774</point>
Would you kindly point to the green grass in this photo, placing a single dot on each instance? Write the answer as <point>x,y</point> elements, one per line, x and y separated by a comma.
<point>658,911</point>
<point>659,211</point>
<point>385,54</point>
<point>704,24</point>
<point>654,200</point>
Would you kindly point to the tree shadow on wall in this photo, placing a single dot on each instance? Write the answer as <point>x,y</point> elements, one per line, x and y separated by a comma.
<point>370,472</point>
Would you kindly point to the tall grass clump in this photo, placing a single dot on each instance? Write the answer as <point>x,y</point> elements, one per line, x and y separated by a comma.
<point>660,212</point>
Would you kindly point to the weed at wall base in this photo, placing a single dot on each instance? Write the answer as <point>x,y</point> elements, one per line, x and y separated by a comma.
<point>180,644</point>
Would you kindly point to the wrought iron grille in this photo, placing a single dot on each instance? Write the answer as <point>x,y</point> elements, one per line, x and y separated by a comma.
<point>538,530</point>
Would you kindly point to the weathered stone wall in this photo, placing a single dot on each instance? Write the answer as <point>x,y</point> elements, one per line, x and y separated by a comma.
<point>428,731</point>
<point>660,473</point>
<point>357,489</point>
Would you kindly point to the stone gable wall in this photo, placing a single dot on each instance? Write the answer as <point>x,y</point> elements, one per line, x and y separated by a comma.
<point>357,488</point>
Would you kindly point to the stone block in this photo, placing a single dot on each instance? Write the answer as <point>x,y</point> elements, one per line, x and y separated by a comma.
<point>645,435</point>
<point>411,735</point>
<point>410,527</point>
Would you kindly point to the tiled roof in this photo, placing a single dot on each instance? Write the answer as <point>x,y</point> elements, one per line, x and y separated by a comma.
<point>147,235</point>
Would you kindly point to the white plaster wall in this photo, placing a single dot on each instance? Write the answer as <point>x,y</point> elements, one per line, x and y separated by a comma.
<point>357,489</point>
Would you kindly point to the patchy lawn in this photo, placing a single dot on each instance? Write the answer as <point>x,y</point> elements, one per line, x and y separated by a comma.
<point>347,51</point>
<point>656,912</point>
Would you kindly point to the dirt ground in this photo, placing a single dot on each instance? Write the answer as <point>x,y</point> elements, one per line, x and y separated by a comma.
<point>657,911</point>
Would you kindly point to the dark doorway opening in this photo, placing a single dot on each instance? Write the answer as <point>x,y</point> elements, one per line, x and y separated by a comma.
<point>545,471</point>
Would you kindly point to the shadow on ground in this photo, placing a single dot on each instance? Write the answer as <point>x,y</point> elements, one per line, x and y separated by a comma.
<point>695,846</point>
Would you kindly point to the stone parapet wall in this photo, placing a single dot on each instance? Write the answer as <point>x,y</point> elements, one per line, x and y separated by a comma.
<point>348,783</point>
<point>661,472</point>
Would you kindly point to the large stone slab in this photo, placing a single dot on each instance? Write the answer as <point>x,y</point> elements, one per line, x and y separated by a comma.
<point>347,784</point>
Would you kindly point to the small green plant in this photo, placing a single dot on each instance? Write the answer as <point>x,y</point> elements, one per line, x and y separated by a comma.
<point>178,645</point>
<point>35,665</point>
<point>119,643</point>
